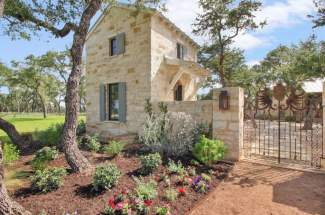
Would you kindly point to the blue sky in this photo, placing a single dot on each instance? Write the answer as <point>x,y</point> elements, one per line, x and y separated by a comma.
<point>287,24</point>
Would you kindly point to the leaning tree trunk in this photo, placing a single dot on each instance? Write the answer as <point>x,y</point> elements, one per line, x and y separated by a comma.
<point>74,157</point>
<point>13,134</point>
<point>7,205</point>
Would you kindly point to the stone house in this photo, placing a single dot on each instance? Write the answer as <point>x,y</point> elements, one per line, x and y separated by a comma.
<point>132,56</point>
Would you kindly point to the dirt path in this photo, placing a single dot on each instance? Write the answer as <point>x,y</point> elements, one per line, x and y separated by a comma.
<point>255,189</point>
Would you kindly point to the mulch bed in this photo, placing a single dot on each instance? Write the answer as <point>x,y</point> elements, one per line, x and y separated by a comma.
<point>77,195</point>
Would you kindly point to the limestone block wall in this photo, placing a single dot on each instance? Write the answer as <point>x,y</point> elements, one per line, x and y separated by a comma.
<point>201,111</point>
<point>164,41</point>
<point>228,125</point>
<point>132,67</point>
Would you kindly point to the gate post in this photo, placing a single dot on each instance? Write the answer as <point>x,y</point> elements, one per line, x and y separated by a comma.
<point>323,146</point>
<point>228,125</point>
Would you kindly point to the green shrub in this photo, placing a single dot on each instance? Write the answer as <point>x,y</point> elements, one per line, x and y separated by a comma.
<point>150,162</point>
<point>81,128</point>
<point>171,134</point>
<point>10,153</point>
<point>114,148</point>
<point>106,177</point>
<point>208,151</point>
<point>176,168</point>
<point>43,157</point>
<point>162,211</point>
<point>51,136</point>
<point>48,179</point>
<point>90,143</point>
<point>146,190</point>
<point>170,195</point>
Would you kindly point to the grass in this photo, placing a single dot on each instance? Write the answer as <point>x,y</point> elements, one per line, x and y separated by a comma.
<point>18,176</point>
<point>26,123</point>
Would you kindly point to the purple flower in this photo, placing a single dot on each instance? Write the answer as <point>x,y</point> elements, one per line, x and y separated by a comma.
<point>197,180</point>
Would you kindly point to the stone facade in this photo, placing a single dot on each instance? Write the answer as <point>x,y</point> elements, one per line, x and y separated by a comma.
<point>131,67</point>
<point>150,70</point>
<point>150,39</point>
<point>201,111</point>
<point>228,125</point>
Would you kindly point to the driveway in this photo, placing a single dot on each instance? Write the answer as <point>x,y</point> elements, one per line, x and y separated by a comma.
<point>254,189</point>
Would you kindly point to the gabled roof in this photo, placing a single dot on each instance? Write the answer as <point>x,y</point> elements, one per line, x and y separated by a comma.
<point>150,10</point>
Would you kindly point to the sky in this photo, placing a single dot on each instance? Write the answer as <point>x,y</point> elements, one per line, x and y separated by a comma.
<point>287,24</point>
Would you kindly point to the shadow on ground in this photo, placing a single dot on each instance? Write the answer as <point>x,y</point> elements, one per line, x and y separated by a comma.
<point>302,190</point>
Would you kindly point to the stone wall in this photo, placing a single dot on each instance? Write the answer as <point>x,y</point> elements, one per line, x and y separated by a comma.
<point>132,67</point>
<point>228,125</point>
<point>164,41</point>
<point>201,111</point>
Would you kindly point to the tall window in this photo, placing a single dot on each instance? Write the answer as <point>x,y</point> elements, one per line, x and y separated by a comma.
<point>178,92</point>
<point>113,102</point>
<point>180,51</point>
<point>113,46</point>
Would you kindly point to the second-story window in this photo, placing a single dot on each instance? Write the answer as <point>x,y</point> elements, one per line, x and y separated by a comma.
<point>113,45</point>
<point>117,44</point>
<point>180,51</point>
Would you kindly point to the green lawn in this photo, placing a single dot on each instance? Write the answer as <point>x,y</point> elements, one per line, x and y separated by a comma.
<point>31,122</point>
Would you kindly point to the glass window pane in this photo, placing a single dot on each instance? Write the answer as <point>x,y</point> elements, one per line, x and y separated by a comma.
<point>113,102</point>
<point>113,46</point>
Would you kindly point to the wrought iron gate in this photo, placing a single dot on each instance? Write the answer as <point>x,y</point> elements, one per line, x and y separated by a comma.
<point>284,125</point>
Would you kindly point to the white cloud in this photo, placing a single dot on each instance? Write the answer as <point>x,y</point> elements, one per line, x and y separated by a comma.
<point>279,14</point>
<point>250,41</point>
<point>252,63</point>
<point>285,14</point>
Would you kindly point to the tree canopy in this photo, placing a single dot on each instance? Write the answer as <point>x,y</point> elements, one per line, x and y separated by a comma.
<point>222,21</point>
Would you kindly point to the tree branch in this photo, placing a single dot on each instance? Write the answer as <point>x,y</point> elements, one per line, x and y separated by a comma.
<point>2,5</point>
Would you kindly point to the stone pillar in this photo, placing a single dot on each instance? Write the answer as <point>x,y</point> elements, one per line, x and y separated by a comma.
<point>228,125</point>
<point>323,103</point>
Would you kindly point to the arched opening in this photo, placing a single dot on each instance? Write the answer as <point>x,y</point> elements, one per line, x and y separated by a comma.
<point>178,92</point>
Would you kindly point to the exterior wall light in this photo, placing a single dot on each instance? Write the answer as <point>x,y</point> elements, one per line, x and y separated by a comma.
<point>224,100</point>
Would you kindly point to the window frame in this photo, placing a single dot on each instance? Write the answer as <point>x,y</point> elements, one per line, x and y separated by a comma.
<point>111,48</point>
<point>180,51</point>
<point>110,118</point>
<point>178,92</point>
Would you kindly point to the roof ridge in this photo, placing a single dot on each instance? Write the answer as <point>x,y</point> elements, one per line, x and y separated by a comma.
<point>130,6</point>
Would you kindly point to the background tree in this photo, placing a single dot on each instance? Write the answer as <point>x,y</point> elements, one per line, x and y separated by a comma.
<point>222,21</point>
<point>319,18</point>
<point>22,18</point>
<point>234,62</point>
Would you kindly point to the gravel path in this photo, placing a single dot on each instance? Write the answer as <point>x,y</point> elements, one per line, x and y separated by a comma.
<point>254,189</point>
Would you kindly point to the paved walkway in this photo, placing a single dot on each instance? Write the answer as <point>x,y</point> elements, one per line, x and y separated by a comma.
<point>254,189</point>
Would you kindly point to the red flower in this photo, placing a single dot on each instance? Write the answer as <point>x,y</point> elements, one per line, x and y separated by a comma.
<point>111,203</point>
<point>181,191</point>
<point>147,203</point>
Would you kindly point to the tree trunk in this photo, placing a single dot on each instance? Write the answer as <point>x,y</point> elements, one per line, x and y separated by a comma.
<point>13,134</point>
<point>7,205</point>
<point>2,5</point>
<point>311,112</point>
<point>221,68</point>
<point>44,109</point>
<point>74,157</point>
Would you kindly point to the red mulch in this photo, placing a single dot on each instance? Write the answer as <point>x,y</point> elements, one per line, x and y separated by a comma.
<point>77,195</point>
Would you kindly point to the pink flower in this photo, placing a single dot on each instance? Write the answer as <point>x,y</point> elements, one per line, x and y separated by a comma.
<point>147,203</point>
<point>189,180</point>
<point>120,206</point>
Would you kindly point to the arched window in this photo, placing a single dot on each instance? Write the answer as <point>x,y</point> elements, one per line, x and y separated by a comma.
<point>178,92</point>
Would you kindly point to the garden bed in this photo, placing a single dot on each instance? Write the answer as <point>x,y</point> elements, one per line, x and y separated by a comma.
<point>77,193</point>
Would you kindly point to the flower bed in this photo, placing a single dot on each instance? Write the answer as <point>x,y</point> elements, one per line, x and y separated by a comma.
<point>77,193</point>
